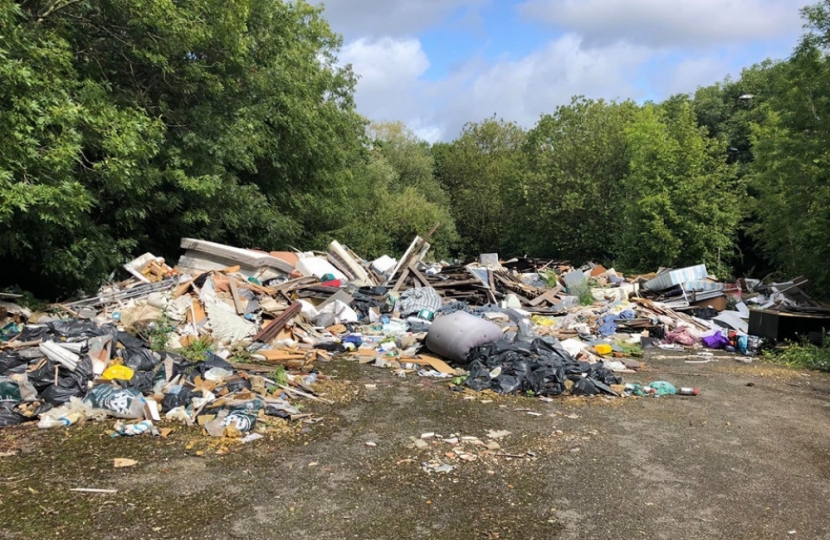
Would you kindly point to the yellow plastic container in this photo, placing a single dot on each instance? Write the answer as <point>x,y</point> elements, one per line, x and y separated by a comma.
<point>118,371</point>
<point>603,349</point>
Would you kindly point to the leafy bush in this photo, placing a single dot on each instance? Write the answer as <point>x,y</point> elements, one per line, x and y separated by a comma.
<point>804,355</point>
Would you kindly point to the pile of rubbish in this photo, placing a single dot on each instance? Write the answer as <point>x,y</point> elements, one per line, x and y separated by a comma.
<point>63,371</point>
<point>200,342</point>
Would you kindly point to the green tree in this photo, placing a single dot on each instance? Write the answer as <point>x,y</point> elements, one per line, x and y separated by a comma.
<point>394,196</point>
<point>409,157</point>
<point>728,110</point>
<point>681,196</point>
<point>577,159</point>
<point>129,124</point>
<point>791,169</point>
<point>483,171</point>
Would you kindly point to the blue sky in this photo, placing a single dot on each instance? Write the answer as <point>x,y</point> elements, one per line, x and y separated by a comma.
<point>437,64</point>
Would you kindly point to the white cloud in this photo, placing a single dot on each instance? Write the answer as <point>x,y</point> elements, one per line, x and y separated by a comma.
<point>524,89</point>
<point>388,70</point>
<point>641,63</point>
<point>374,18</point>
<point>668,23</point>
<point>690,73</point>
<point>391,86</point>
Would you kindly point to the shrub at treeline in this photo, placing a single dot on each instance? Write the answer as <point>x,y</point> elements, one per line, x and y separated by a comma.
<point>128,124</point>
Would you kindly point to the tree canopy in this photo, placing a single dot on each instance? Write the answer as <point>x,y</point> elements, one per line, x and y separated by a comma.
<point>126,125</point>
<point>129,124</point>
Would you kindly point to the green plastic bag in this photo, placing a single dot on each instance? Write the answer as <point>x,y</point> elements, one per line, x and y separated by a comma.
<point>9,391</point>
<point>663,388</point>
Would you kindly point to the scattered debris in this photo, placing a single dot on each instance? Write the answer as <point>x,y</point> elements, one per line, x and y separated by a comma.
<point>229,337</point>
<point>448,453</point>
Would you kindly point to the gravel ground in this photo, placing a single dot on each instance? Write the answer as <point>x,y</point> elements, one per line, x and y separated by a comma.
<point>747,458</point>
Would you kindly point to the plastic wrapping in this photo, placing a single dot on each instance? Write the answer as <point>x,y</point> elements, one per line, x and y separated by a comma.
<point>682,336</point>
<point>179,398</point>
<point>142,381</point>
<point>9,391</point>
<point>78,329</point>
<point>12,414</point>
<point>118,402</point>
<point>539,367</point>
<point>70,383</point>
<point>139,359</point>
<point>34,332</point>
<point>715,341</point>
<point>12,362</point>
<point>454,336</point>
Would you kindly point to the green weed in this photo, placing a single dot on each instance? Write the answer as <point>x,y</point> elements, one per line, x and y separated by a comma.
<point>803,355</point>
<point>198,350</point>
<point>280,377</point>
<point>157,333</point>
<point>583,292</point>
<point>549,277</point>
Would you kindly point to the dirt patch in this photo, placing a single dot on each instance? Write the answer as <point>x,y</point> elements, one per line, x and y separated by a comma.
<point>747,458</point>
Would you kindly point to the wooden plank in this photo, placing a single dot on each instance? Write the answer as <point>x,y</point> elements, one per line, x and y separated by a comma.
<point>491,297</point>
<point>447,284</point>
<point>237,301</point>
<point>220,282</point>
<point>253,368</point>
<point>270,291</point>
<point>281,354</point>
<point>491,292</point>
<point>523,299</point>
<point>547,297</point>
<point>20,345</point>
<point>418,275</point>
<point>432,361</point>
<point>416,249</point>
<point>304,394</point>
<point>181,289</point>
<point>401,279</point>
<point>197,314</point>
<point>295,284</point>
<point>269,332</point>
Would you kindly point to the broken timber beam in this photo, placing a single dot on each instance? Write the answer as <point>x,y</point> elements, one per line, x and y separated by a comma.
<point>270,332</point>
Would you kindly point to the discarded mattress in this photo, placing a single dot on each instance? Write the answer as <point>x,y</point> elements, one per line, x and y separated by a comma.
<point>671,278</point>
